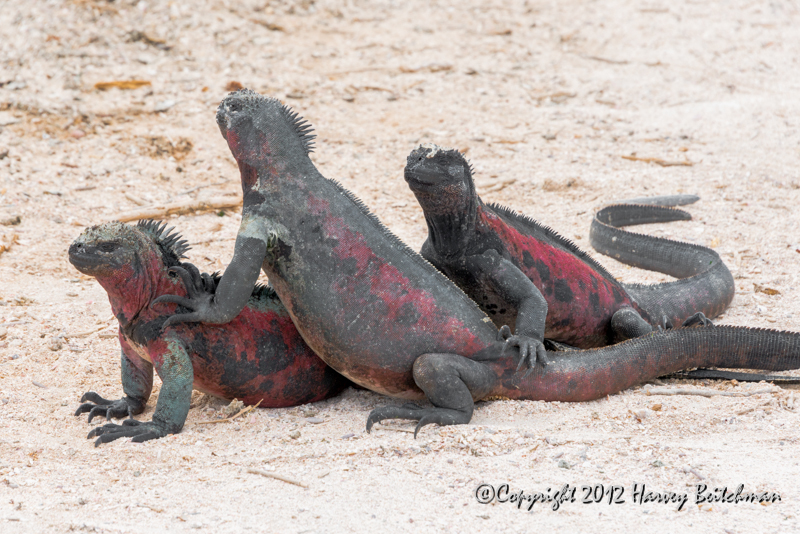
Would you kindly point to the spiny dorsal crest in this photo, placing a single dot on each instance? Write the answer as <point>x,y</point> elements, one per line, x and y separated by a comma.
<point>170,241</point>
<point>301,126</point>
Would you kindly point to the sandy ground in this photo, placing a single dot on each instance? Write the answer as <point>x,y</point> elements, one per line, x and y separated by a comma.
<point>546,96</point>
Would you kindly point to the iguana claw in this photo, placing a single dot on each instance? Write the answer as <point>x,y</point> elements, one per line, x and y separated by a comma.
<point>138,430</point>
<point>97,405</point>
<point>200,295</point>
<point>698,319</point>
<point>531,350</point>
<point>424,416</point>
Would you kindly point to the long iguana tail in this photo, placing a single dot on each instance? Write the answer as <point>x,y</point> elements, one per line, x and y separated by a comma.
<point>705,284</point>
<point>573,376</point>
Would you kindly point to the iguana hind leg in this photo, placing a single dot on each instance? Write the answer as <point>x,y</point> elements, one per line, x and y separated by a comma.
<point>626,323</point>
<point>451,382</point>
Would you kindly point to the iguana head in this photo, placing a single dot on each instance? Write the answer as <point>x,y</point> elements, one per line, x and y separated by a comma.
<point>440,178</point>
<point>258,128</point>
<point>130,262</point>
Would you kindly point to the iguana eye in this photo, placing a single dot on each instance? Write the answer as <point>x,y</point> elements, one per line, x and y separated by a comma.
<point>108,246</point>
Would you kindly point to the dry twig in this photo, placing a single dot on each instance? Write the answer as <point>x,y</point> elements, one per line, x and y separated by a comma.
<point>395,429</point>
<point>124,84</point>
<point>90,332</point>
<point>231,418</point>
<point>706,392</point>
<point>180,208</point>
<point>754,408</point>
<point>659,161</point>
<point>276,476</point>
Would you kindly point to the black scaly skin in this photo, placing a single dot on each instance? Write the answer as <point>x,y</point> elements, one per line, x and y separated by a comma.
<point>527,276</point>
<point>381,315</point>
<point>704,282</point>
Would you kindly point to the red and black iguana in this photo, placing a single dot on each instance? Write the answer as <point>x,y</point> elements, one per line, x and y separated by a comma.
<point>381,315</point>
<point>257,357</point>
<point>540,284</point>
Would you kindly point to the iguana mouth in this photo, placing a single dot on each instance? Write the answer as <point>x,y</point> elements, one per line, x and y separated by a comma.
<point>85,262</point>
<point>417,180</point>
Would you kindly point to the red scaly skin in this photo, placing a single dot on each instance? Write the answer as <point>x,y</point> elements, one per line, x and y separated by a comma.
<point>259,357</point>
<point>580,301</point>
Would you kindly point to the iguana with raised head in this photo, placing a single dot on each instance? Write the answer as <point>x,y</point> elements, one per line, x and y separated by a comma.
<point>525,275</point>
<point>381,315</point>
<point>257,357</point>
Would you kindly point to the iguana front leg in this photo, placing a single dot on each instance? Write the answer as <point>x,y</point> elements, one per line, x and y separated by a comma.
<point>504,278</point>
<point>233,290</point>
<point>137,383</point>
<point>173,365</point>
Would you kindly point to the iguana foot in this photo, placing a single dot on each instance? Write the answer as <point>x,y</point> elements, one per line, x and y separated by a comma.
<point>626,323</point>
<point>698,319</point>
<point>531,350</point>
<point>97,405</point>
<point>199,299</point>
<point>138,430</point>
<point>425,416</point>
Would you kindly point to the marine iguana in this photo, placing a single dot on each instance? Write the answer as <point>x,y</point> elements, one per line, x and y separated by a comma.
<point>258,357</point>
<point>381,315</point>
<point>525,275</point>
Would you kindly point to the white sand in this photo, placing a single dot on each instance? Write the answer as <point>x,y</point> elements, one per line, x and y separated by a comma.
<point>549,94</point>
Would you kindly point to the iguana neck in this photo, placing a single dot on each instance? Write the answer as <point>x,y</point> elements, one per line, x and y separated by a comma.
<point>269,180</point>
<point>450,229</point>
<point>132,288</point>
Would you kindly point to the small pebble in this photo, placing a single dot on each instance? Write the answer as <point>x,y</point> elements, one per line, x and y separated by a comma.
<point>77,133</point>
<point>295,434</point>
<point>348,436</point>
<point>164,106</point>
<point>55,344</point>
<point>563,464</point>
<point>315,420</point>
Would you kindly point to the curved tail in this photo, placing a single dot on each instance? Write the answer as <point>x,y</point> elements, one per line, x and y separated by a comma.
<point>591,374</point>
<point>705,284</point>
